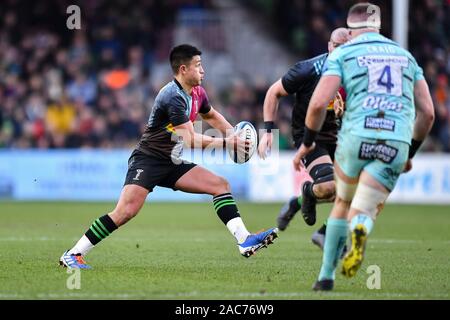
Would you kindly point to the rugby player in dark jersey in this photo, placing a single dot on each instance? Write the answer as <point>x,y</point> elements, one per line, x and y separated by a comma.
<point>301,80</point>
<point>156,161</point>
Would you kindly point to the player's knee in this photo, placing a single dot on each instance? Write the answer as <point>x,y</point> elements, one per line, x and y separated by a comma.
<point>323,176</point>
<point>326,190</point>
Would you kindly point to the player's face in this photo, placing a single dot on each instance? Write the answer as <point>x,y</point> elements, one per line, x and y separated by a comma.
<point>195,72</point>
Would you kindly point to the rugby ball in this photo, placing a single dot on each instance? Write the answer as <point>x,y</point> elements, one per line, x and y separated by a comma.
<point>247,132</point>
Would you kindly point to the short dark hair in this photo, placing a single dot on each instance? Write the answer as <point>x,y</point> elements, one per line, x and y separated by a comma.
<point>364,15</point>
<point>182,54</point>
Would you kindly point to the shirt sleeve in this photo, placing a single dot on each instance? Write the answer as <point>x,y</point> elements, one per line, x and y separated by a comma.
<point>177,111</point>
<point>296,77</point>
<point>332,66</point>
<point>205,106</point>
<point>418,75</point>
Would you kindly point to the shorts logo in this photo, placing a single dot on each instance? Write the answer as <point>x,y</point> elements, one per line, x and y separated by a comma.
<point>379,151</point>
<point>379,124</point>
<point>139,171</point>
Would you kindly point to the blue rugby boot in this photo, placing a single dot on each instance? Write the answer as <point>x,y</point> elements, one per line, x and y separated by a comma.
<point>254,242</point>
<point>73,261</point>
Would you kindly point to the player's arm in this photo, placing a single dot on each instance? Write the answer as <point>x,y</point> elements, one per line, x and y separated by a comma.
<point>424,116</point>
<point>216,120</point>
<point>273,95</point>
<point>197,140</point>
<point>424,110</point>
<point>176,111</point>
<point>317,109</point>
<point>270,108</point>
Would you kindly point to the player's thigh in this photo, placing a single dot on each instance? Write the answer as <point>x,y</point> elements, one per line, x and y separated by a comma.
<point>201,180</point>
<point>319,155</point>
<point>347,167</point>
<point>383,172</point>
<point>347,156</point>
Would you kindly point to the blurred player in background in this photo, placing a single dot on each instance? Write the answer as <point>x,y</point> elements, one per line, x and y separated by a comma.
<point>301,80</point>
<point>156,161</point>
<point>389,112</point>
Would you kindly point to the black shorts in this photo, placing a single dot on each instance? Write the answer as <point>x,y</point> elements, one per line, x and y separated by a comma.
<point>147,171</point>
<point>321,149</point>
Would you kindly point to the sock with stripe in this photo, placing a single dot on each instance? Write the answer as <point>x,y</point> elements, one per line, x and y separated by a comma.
<point>335,240</point>
<point>228,212</point>
<point>363,219</point>
<point>99,230</point>
<point>296,203</point>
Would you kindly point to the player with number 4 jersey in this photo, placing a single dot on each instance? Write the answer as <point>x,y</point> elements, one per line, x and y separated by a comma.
<point>379,80</point>
<point>389,112</point>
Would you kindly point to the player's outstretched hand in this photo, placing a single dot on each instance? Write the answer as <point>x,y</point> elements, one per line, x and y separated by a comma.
<point>302,152</point>
<point>265,144</point>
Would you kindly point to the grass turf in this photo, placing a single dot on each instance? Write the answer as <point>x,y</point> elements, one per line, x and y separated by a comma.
<point>183,251</point>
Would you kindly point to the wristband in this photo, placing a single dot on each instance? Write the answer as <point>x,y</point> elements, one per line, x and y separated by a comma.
<point>415,145</point>
<point>309,137</point>
<point>269,125</point>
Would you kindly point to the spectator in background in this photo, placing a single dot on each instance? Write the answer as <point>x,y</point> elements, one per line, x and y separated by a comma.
<point>40,63</point>
<point>442,100</point>
<point>82,89</point>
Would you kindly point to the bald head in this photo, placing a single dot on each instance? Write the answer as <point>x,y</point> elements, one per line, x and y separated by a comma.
<point>338,37</point>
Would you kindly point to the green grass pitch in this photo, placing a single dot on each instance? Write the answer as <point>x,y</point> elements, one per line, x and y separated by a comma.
<point>183,251</point>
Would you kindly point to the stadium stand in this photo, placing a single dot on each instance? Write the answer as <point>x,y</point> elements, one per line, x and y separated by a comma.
<point>94,87</point>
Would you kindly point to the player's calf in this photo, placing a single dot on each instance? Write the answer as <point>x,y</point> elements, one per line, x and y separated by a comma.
<point>365,207</point>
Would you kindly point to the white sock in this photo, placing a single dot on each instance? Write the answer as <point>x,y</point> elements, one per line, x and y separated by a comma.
<point>83,246</point>
<point>238,229</point>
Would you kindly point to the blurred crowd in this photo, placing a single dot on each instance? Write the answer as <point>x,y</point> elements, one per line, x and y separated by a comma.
<point>92,87</point>
<point>95,87</point>
<point>305,27</point>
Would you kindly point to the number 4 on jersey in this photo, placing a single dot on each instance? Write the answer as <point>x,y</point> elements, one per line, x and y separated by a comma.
<point>385,79</point>
<point>385,73</point>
